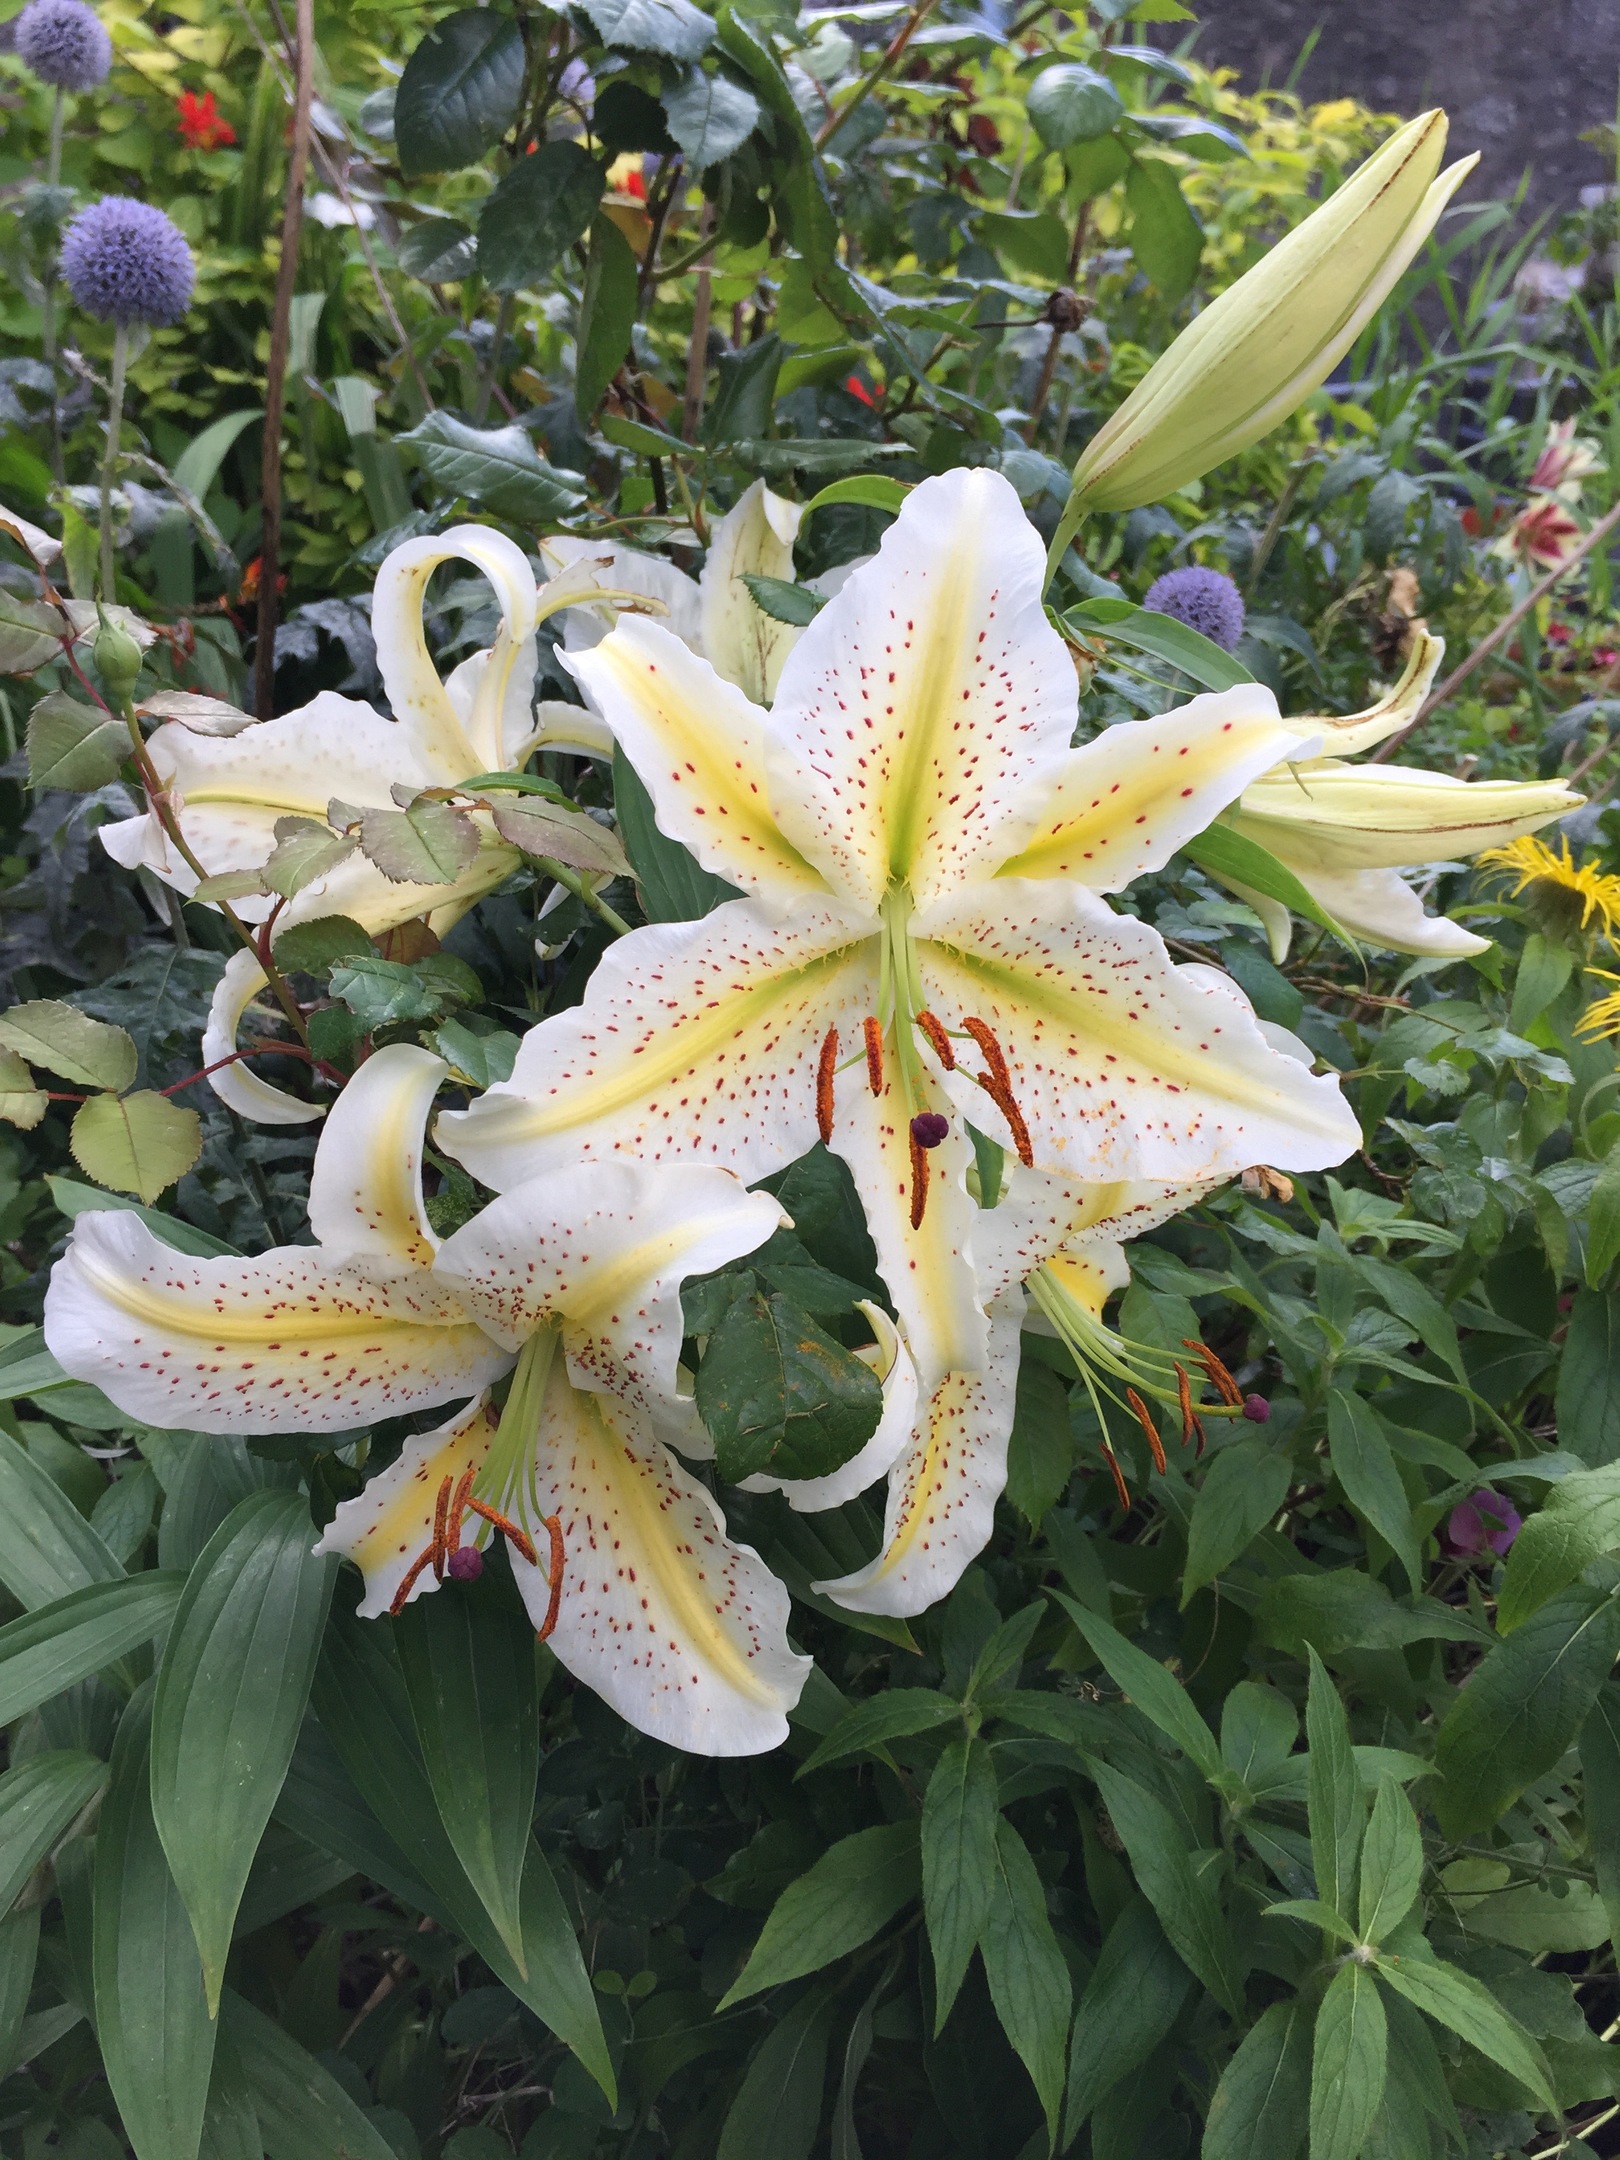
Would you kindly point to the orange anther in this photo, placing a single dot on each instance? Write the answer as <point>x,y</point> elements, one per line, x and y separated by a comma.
<point>422,1560</point>
<point>438,1550</point>
<point>997,1084</point>
<point>508,1529</point>
<point>1149,1429</point>
<point>939,1041</point>
<point>919,1181</point>
<point>1191,1429</point>
<point>554,1574</point>
<point>458,1507</point>
<point>1219,1378</point>
<point>824,1085</point>
<point>1120,1486</point>
<point>874,1055</point>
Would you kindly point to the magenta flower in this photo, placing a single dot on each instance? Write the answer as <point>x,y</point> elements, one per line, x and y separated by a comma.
<point>1485,1522</point>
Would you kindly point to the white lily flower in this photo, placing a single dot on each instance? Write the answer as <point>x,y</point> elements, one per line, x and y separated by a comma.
<point>924,857</point>
<point>576,1284</point>
<point>715,615</point>
<point>1345,831</point>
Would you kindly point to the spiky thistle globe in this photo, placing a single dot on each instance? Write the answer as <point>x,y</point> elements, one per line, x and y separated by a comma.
<point>125,262</point>
<point>63,41</point>
<point>1202,599</point>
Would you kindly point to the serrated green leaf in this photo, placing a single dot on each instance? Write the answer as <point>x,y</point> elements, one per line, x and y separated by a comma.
<point>1391,1864</point>
<point>1259,2108</point>
<point>381,993</point>
<point>784,601</point>
<point>74,746</point>
<point>1349,2063</point>
<point>1523,1705</point>
<point>1468,2008</point>
<point>562,836</point>
<point>778,2105</point>
<point>428,844</point>
<point>66,1041</point>
<point>141,1143</point>
<point>674,28</point>
<point>895,1714</point>
<point>305,849</point>
<point>21,1103</point>
<point>1243,1488</point>
<point>313,947</point>
<point>31,633</point>
<point>959,1863</point>
<point>776,1392</point>
<point>1029,1980</point>
<point>1155,1692</point>
<point>1576,1524</point>
<point>230,1699</point>
<point>1072,103</point>
<point>1130,2003</point>
<point>152,2022</point>
<point>1180,1893</point>
<point>853,1890</point>
<point>543,204</point>
<point>1338,1814</point>
<point>468,1661</point>
<point>498,467</point>
<point>460,91</point>
<point>1365,1466</point>
<point>710,117</point>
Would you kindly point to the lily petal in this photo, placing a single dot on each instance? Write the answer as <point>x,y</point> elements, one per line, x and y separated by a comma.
<point>1381,907</point>
<point>230,790</point>
<point>920,709</point>
<point>560,726</point>
<point>623,569</point>
<point>943,1491</point>
<point>695,1041</point>
<point>1347,732</point>
<point>754,539</point>
<point>236,1086</point>
<point>493,696</point>
<point>1330,816</point>
<point>1121,1067</point>
<point>605,1246</point>
<point>421,703</point>
<point>291,1342</point>
<point>682,1630</point>
<point>1123,803</point>
<point>699,747</point>
<point>365,1192</point>
<point>891,1361</point>
<point>385,1527</point>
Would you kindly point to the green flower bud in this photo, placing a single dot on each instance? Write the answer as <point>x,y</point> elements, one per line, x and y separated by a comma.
<point>118,661</point>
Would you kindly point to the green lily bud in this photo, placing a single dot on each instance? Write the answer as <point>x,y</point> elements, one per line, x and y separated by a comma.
<point>1258,352</point>
<point>118,661</point>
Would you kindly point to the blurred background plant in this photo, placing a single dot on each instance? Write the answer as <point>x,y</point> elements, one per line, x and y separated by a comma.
<point>594,270</point>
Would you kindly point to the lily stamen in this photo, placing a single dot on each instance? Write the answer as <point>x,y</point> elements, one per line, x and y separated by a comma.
<point>1190,1427</point>
<point>824,1085</point>
<point>874,1054</point>
<point>938,1041</point>
<point>1150,1431</point>
<point>1120,1486</point>
<point>997,1084</point>
<point>1219,1378</point>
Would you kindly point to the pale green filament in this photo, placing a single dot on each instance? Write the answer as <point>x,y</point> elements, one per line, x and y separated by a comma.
<point>508,1480</point>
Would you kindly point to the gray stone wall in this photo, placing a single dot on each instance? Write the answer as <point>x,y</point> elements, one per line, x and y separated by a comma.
<point>1520,78</point>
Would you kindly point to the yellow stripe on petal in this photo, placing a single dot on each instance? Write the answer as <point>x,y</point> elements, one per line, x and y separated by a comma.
<point>698,746</point>
<point>696,1042</point>
<point>1123,1065</point>
<point>944,1489</point>
<point>678,1628</point>
<point>385,1527</point>
<point>291,1342</point>
<point>1124,802</point>
<point>365,1192</point>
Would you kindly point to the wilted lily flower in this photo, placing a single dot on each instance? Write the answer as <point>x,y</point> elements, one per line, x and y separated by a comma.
<point>1566,461</point>
<point>1268,341</point>
<point>924,940</point>
<point>574,1287</point>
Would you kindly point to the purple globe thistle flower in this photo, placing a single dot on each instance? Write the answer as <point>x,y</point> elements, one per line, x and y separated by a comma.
<point>1485,1522</point>
<point>1202,599</point>
<point>125,262</point>
<point>63,41</point>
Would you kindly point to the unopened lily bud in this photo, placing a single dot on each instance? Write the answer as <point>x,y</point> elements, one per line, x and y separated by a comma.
<point>118,661</point>
<point>1258,351</point>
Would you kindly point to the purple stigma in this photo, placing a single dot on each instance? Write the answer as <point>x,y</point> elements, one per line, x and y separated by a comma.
<point>465,1564</point>
<point>928,1128</point>
<point>1256,1409</point>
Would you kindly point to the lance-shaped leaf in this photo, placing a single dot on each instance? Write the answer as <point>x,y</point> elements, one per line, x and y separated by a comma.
<point>73,746</point>
<point>64,1040</point>
<point>961,1868</point>
<point>152,2021</point>
<point>141,1143</point>
<point>1468,2008</point>
<point>303,2112</point>
<point>1155,1692</point>
<point>38,1800</point>
<point>46,1546</point>
<point>468,1661</point>
<point>853,1890</point>
<point>60,1644</point>
<point>1338,1815</point>
<point>1259,2105</point>
<point>1349,2062</point>
<point>1180,1892</point>
<point>1130,2003</point>
<point>1029,1981</point>
<point>230,1699</point>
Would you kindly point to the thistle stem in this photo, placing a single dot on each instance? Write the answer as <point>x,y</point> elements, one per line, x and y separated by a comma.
<point>109,463</point>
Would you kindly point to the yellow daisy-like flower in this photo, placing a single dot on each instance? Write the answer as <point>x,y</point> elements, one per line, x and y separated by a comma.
<point>1602,1017</point>
<point>1532,863</point>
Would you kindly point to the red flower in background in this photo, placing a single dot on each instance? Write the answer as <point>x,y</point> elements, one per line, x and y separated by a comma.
<point>202,125</point>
